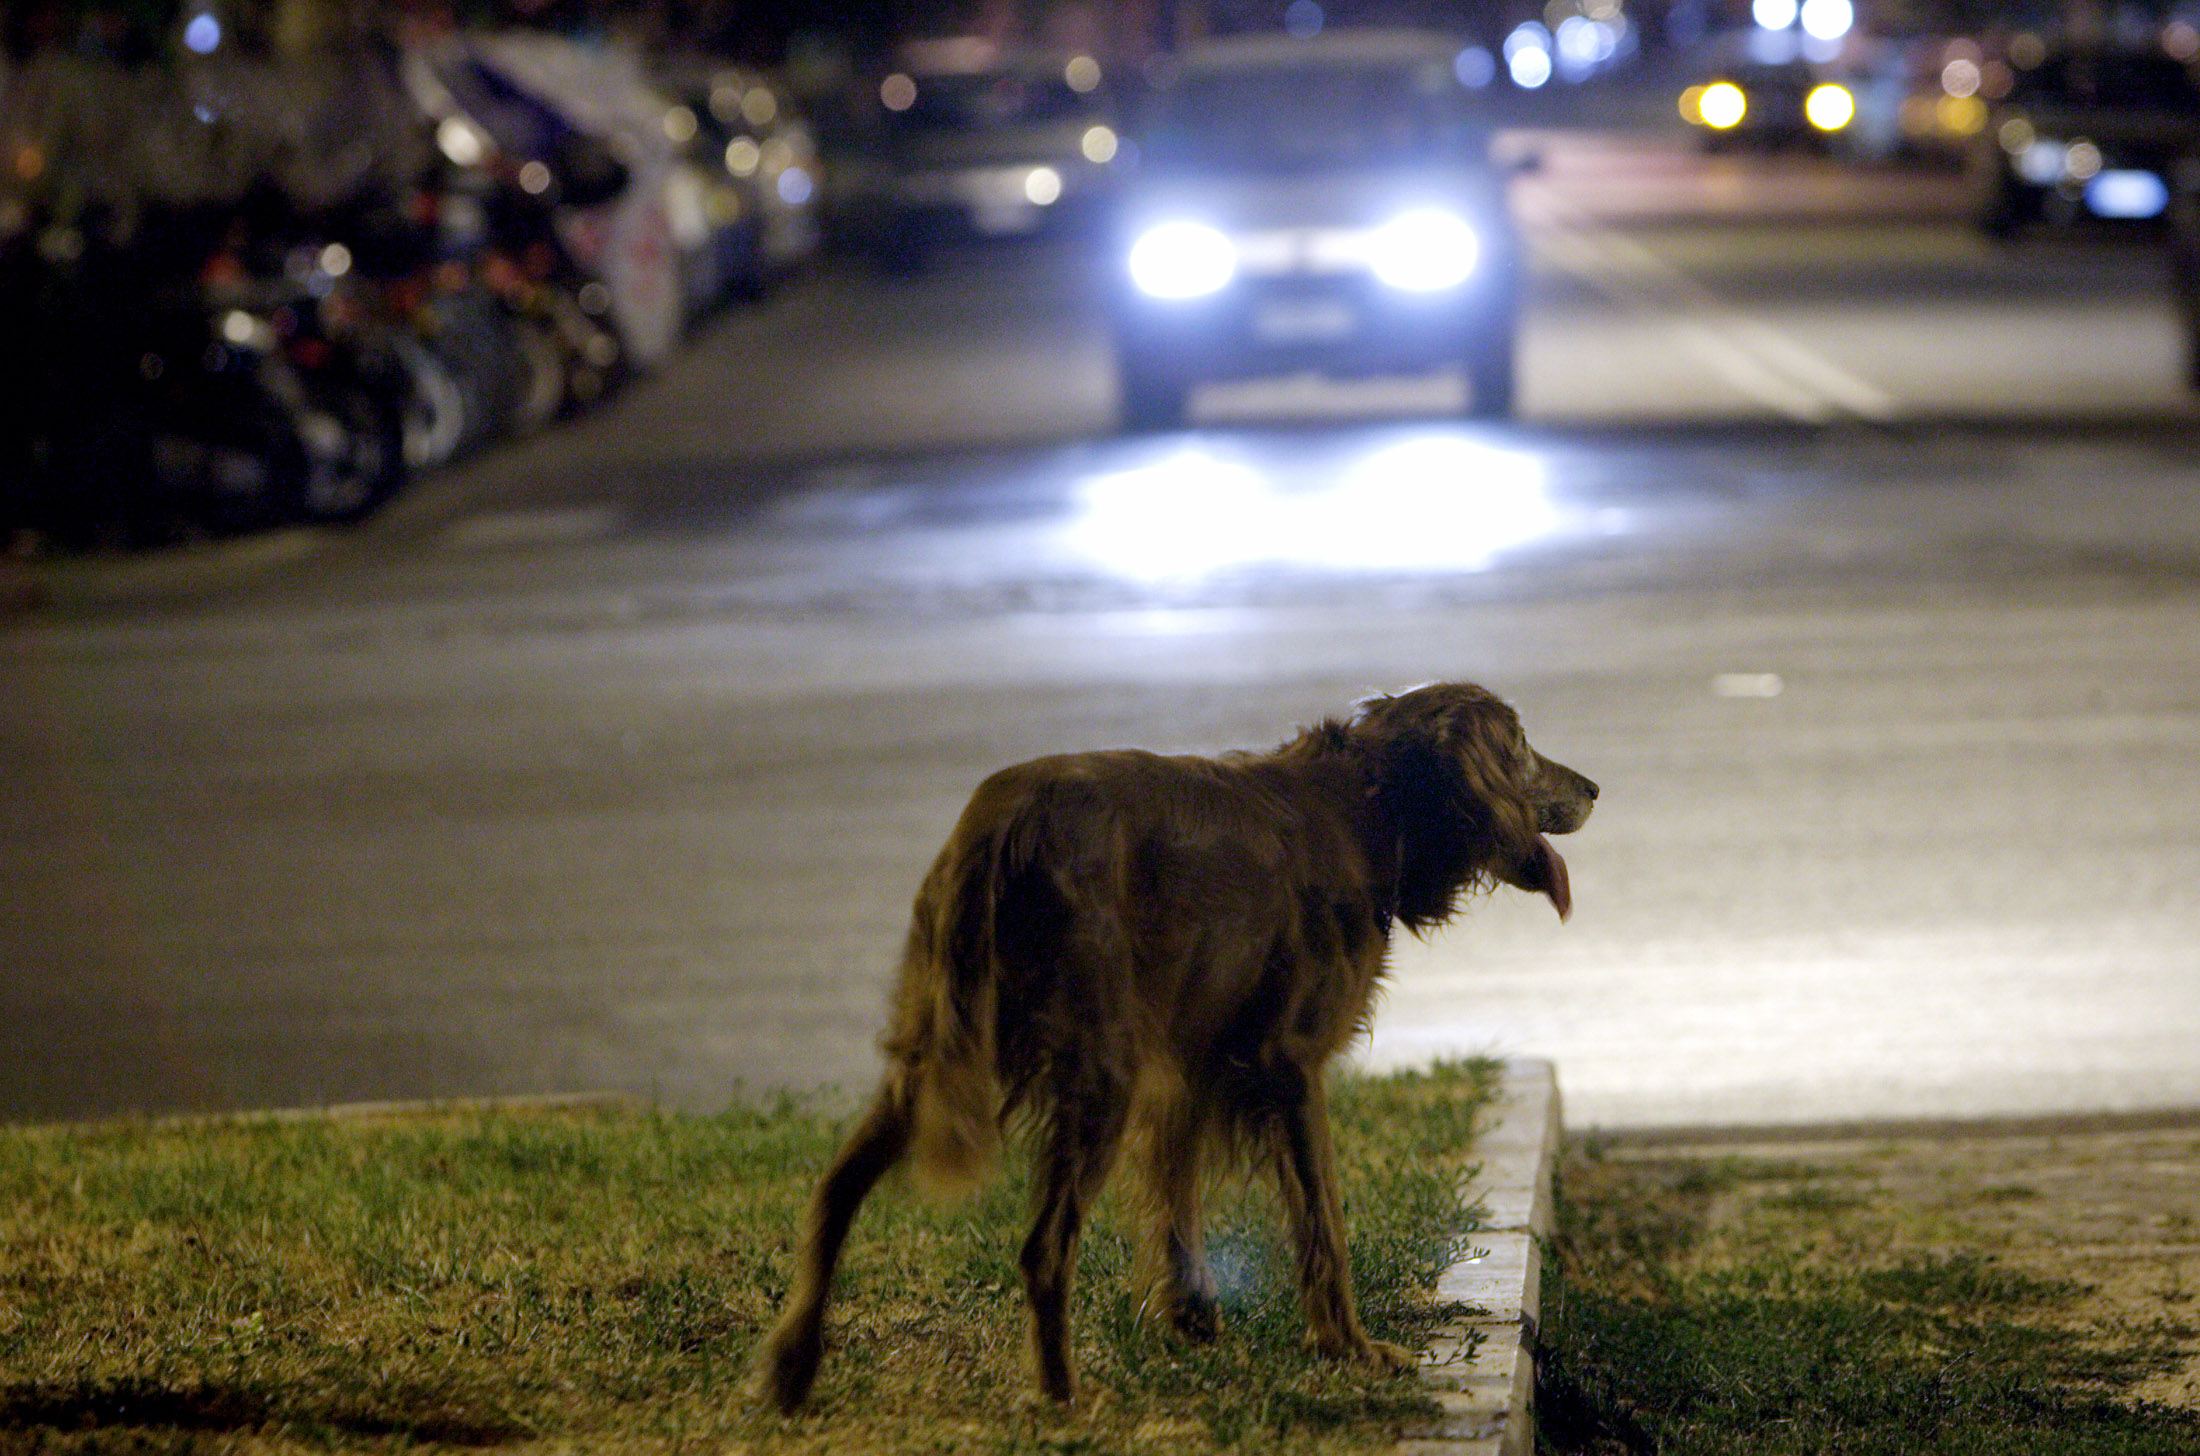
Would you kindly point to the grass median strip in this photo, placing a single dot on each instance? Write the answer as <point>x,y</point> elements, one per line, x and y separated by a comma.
<point>597,1277</point>
<point>1901,1296</point>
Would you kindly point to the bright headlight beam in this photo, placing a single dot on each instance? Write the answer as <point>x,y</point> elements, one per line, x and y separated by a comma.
<point>1722,105</point>
<point>1181,259</point>
<point>1829,107</point>
<point>1827,19</point>
<point>1425,250</point>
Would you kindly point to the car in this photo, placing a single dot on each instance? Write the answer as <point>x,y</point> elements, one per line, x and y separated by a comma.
<point>2087,133</point>
<point>979,142</point>
<point>1322,204</point>
<point>1770,106</point>
<point>748,124</point>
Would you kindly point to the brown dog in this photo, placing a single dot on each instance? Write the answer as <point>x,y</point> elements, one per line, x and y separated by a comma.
<point>1112,941</point>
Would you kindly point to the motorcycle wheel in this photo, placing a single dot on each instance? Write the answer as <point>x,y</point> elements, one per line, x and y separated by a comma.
<point>354,457</point>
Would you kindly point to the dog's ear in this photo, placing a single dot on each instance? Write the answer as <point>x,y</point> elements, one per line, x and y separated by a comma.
<point>1484,739</point>
<point>1445,778</point>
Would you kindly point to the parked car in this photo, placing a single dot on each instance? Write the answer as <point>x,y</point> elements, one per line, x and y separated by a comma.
<point>2086,134</point>
<point>975,142</point>
<point>1322,204</point>
<point>749,127</point>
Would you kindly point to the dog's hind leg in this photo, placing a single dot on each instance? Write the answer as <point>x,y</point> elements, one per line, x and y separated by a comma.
<point>1083,1133</point>
<point>1306,1177</point>
<point>1178,1286</point>
<point>787,1362</point>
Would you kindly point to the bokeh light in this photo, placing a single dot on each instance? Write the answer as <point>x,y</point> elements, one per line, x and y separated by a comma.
<point>1722,105</point>
<point>1829,107</point>
<point>1827,19</point>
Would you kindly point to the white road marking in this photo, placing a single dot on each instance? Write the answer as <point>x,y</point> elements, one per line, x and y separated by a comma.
<point>1758,360</point>
<point>1747,685</point>
<point>549,526</point>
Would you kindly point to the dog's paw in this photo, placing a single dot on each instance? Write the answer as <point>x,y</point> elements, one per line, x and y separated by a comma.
<point>1380,1356</point>
<point>784,1371</point>
<point>1196,1317</point>
<point>1385,1358</point>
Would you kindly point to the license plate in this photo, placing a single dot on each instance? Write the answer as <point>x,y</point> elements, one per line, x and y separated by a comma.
<point>1303,322</point>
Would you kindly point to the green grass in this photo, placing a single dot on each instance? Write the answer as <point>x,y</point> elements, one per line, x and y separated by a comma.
<point>1698,1307</point>
<point>597,1278</point>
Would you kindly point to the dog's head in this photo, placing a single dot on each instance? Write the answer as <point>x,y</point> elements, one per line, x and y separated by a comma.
<point>1472,801</point>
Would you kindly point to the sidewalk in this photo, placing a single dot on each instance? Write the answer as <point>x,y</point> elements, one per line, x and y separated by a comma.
<point>2110,1204</point>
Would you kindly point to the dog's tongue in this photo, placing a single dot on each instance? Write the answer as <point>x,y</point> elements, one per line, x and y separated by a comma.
<point>1547,870</point>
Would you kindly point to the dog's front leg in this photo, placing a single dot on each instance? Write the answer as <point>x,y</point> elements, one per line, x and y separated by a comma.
<point>1307,1178</point>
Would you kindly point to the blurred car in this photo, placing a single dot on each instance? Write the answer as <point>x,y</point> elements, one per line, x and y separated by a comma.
<point>749,128</point>
<point>1323,204</point>
<point>2086,133</point>
<point>979,142</point>
<point>1769,106</point>
<point>1940,89</point>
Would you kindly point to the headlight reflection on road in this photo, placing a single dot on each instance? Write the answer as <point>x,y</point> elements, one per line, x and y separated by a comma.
<point>1429,501</point>
<point>1187,514</point>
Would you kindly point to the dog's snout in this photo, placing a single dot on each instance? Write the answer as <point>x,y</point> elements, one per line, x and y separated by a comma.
<point>1589,787</point>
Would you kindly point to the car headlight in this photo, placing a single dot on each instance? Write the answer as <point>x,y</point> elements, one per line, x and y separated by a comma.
<point>1182,260</point>
<point>1830,106</point>
<point>1722,105</point>
<point>1425,250</point>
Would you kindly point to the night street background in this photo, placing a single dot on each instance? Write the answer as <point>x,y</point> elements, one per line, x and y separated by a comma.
<point>1855,556</point>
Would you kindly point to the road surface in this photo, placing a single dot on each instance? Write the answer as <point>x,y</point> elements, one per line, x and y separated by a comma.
<point>1857,559</point>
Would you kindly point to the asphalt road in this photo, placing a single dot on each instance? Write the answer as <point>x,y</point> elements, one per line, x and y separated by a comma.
<point>1858,560</point>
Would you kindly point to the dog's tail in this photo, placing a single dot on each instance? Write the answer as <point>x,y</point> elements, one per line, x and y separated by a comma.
<point>950,986</point>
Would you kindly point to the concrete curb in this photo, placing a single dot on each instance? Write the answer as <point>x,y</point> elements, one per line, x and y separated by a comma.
<point>1487,1397</point>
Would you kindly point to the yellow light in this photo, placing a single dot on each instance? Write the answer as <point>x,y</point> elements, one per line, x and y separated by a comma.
<point>1961,115</point>
<point>1829,107</point>
<point>1082,74</point>
<point>1042,186</point>
<point>1692,106</point>
<point>897,92</point>
<point>1098,145</point>
<point>679,125</point>
<point>1722,105</point>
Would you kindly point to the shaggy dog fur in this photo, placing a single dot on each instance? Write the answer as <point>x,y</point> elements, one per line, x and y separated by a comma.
<point>1120,941</point>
